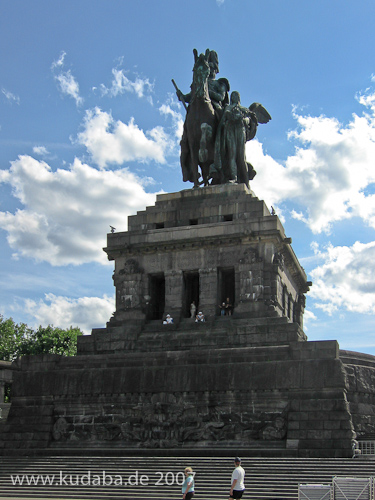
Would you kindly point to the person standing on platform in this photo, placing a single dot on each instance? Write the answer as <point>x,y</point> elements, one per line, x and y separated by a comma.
<point>193,309</point>
<point>188,484</point>
<point>222,308</point>
<point>238,477</point>
<point>228,307</point>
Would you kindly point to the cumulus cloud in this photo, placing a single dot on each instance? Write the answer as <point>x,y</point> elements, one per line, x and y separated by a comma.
<point>63,312</point>
<point>345,279</point>
<point>114,142</point>
<point>67,84</point>
<point>11,98</point>
<point>329,173</point>
<point>67,213</point>
<point>121,83</point>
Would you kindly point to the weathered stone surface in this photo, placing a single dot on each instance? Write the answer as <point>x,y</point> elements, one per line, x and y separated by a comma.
<point>250,381</point>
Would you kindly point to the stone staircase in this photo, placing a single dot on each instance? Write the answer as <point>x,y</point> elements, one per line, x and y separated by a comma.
<point>215,333</point>
<point>219,333</point>
<point>157,478</point>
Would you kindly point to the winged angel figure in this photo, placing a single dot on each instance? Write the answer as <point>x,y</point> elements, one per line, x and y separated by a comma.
<point>237,126</point>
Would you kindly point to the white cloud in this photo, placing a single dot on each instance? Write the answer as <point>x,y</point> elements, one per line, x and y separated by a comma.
<point>67,213</point>
<point>177,118</point>
<point>41,151</point>
<point>10,97</point>
<point>114,142</point>
<point>59,63</point>
<point>121,83</point>
<point>63,312</point>
<point>345,279</point>
<point>308,317</point>
<point>329,173</point>
<point>68,85</point>
<point>367,98</point>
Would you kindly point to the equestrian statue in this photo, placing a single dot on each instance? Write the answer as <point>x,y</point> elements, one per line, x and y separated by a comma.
<point>216,130</point>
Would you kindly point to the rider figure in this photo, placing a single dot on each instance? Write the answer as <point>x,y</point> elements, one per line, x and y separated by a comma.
<point>218,92</point>
<point>217,89</point>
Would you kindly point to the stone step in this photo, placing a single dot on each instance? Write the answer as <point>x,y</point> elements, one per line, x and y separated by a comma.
<point>220,332</point>
<point>216,332</point>
<point>269,479</point>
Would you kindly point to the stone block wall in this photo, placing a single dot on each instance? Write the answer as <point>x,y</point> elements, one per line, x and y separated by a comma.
<point>249,398</point>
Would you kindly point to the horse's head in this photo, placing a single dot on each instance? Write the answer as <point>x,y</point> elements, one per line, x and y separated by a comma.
<point>201,72</point>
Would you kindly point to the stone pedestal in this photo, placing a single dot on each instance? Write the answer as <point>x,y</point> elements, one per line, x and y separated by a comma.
<point>248,383</point>
<point>205,245</point>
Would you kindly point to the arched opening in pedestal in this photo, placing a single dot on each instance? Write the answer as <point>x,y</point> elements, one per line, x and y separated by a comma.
<point>157,294</point>
<point>226,286</point>
<point>191,292</point>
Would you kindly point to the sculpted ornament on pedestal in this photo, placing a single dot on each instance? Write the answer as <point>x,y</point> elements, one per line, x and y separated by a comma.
<point>170,425</point>
<point>216,130</point>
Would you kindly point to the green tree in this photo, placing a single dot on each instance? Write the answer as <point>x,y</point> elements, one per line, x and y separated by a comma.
<point>19,340</point>
<point>7,388</point>
<point>11,337</point>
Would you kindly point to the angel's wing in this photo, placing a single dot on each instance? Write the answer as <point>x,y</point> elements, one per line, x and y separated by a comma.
<point>261,113</point>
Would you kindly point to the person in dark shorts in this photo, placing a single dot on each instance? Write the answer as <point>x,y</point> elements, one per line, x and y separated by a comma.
<point>188,485</point>
<point>238,478</point>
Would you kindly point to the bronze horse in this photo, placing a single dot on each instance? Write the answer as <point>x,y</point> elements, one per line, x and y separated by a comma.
<point>198,141</point>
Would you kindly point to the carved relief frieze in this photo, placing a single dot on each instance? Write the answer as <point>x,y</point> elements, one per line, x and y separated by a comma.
<point>131,266</point>
<point>250,256</point>
<point>279,259</point>
<point>251,286</point>
<point>251,275</point>
<point>165,422</point>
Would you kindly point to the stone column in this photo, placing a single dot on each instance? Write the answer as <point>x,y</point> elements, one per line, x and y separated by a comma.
<point>208,294</point>
<point>129,291</point>
<point>250,277</point>
<point>298,309</point>
<point>173,293</point>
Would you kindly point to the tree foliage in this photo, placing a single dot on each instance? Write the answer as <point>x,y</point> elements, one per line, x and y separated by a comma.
<point>18,340</point>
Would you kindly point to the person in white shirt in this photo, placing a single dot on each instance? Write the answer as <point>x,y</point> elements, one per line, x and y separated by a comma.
<point>238,477</point>
<point>168,320</point>
<point>200,317</point>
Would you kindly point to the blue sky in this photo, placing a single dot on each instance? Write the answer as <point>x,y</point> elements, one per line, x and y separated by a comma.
<point>90,128</point>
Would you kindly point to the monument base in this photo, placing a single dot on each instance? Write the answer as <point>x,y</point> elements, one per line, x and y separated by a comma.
<point>287,399</point>
<point>246,382</point>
